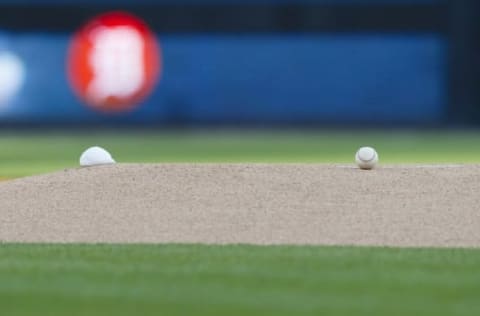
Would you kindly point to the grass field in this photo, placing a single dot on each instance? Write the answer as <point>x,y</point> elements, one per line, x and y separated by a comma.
<point>24,154</point>
<point>235,279</point>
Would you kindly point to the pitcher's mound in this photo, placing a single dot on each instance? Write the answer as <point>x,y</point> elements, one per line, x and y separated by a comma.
<point>246,203</point>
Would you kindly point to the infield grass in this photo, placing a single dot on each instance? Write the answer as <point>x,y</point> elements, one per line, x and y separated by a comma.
<point>27,153</point>
<point>237,280</point>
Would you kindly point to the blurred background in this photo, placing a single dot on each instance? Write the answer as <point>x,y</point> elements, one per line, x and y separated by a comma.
<point>302,64</point>
<point>233,62</point>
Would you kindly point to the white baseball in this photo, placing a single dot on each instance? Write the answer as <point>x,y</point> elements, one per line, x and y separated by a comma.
<point>366,158</point>
<point>95,156</point>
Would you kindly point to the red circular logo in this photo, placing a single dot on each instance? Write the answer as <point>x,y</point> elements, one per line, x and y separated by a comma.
<point>114,62</point>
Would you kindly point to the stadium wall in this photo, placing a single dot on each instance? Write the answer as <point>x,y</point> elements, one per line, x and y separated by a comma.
<point>256,79</point>
<point>268,62</point>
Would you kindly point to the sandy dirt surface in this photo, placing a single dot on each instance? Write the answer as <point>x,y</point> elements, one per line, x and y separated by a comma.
<point>246,203</point>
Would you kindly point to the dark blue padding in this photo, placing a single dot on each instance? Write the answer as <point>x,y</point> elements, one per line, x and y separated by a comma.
<point>294,78</point>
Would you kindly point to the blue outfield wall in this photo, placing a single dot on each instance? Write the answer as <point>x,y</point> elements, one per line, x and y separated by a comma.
<point>267,78</point>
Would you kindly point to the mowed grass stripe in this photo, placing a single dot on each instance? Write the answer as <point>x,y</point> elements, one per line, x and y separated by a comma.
<point>206,280</point>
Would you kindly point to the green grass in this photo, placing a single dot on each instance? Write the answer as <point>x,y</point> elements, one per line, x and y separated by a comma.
<point>24,154</point>
<point>237,280</point>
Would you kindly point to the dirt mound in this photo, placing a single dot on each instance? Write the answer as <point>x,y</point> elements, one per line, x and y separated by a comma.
<point>246,203</point>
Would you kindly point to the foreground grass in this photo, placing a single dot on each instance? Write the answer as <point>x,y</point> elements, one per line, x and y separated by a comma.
<point>29,153</point>
<point>236,280</point>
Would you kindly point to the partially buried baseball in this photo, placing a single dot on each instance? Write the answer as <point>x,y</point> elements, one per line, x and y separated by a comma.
<point>95,156</point>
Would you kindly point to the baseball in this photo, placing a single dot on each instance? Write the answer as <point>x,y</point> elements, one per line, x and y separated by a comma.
<point>366,158</point>
<point>94,156</point>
